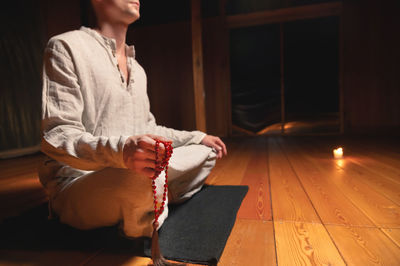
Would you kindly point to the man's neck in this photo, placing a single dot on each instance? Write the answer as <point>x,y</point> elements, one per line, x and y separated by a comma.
<point>114,31</point>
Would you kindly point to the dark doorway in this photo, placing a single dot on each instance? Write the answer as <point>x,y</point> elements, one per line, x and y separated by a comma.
<point>311,75</point>
<point>306,100</point>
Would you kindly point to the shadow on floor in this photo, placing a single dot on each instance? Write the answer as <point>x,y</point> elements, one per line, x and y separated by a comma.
<point>33,231</point>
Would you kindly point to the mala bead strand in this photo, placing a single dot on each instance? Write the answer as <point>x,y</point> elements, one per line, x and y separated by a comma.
<point>158,259</point>
<point>159,167</point>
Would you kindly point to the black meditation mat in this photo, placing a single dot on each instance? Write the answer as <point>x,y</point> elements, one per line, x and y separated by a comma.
<point>195,231</point>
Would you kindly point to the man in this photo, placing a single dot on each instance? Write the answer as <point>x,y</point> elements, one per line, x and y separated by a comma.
<point>99,134</point>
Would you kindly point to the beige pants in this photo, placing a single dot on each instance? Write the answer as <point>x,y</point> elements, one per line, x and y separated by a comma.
<point>111,196</point>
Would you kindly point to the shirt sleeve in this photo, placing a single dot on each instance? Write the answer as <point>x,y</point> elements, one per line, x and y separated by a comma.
<point>179,137</point>
<point>65,138</point>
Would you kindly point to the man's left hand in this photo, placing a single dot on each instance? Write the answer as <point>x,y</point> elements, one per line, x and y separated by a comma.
<point>216,143</point>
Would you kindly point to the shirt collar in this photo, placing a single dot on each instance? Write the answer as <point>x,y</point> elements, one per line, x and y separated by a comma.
<point>108,42</point>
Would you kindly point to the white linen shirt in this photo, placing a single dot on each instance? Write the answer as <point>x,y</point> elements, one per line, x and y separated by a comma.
<point>88,108</point>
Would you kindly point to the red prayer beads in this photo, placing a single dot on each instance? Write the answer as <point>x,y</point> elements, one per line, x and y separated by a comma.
<point>158,259</point>
<point>159,167</point>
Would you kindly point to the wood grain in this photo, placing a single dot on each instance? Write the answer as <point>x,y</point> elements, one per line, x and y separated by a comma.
<point>231,173</point>
<point>197,62</point>
<point>290,201</point>
<point>217,76</point>
<point>383,159</point>
<point>250,243</point>
<point>385,151</point>
<point>20,188</point>
<point>233,147</point>
<point>355,168</point>
<point>330,202</point>
<point>322,208</point>
<point>305,244</point>
<point>377,167</point>
<point>393,234</point>
<point>19,166</point>
<point>385,186</point>
<point>364,246</point>
<point>378,207</point>
<point>257,203</point>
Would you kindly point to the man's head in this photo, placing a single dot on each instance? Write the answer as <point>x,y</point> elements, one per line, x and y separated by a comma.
<point>117,11</point>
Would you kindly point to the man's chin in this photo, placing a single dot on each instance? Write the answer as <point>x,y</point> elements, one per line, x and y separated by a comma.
<point>133,17</point>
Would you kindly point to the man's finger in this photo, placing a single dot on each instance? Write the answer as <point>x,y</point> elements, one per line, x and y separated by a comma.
<point>218,151</point>
<point>145,154</point>
<point>141,164</point>
<point>219,141</point>
<point>149,172</point>
<point>155,137</point>
<point>148,143</point>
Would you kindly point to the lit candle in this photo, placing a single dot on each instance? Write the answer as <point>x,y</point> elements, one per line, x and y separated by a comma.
<point>338,153</point>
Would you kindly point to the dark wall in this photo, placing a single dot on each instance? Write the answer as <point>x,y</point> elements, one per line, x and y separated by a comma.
<point>165,53</point>
<point>248,6</point>
<point>61,16</point>
<point>371,80</point>
<point>26,26</point>
<point>20,68</point>
<point>163,43</point>
<point>217,76</point>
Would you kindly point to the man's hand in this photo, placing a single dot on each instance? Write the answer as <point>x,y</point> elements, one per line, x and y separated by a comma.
<point>139,153</point>
<point>216,143</point>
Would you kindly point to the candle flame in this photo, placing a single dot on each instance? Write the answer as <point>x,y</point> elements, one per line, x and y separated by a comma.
<point>338,153</point>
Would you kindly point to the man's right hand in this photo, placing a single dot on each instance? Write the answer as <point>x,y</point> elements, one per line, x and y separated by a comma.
<point>139,153</point>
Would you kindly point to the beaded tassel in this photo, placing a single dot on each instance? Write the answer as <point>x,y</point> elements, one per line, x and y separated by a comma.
<point>158,259</point>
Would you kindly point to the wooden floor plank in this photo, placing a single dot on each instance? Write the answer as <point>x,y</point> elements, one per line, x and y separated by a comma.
<point>379,182</point>
<point>233,147</point>
<point>257,203</point>
<point>377,206</point>
<point>290,202</point>
<point>376,167</point>
<point>364,151</point>
<point>307,188</point>
<point>388,154</point>
<point>232,170</point>
<point>20,193</point>
<point>330,202</point>
<point>9,167</point>
<point>383,182</point>
<point>364,246</point>
<point>393,234</point>
<point>250,243</point>
<point>300,243</point>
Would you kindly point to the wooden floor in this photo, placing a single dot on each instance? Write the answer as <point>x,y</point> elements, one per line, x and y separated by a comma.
<point>303,207</point>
